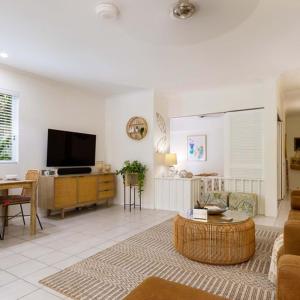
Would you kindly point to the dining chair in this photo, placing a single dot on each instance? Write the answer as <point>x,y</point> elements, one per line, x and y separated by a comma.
<point>23,198</point>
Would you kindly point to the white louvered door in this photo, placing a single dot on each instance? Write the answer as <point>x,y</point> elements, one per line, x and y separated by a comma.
<point>244,146</point>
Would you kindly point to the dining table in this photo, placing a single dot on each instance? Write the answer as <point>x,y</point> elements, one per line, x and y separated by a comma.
<point>6,185</point>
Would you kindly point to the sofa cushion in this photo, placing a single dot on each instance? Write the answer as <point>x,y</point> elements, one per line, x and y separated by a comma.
<point>292,237</point>
<point>154,288</point>
<point>244,202</point>
<point>294,215</point>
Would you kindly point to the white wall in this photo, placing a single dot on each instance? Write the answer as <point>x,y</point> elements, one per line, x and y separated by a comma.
<point>213,128</point>
<point>292,131</point>
<point>119,147</point>
<point>47,104</point>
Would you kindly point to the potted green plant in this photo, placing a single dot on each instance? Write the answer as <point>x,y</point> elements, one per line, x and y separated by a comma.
<point>133,174</point>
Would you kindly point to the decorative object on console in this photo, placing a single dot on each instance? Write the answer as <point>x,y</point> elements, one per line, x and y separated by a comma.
<point>196,147</point>
<point>102,167</point>
<point>107,168</point>
<point>162,142</point>
<point>137,128</point>
<point>185,174</point>
<point>207,174</point>
<point>171,161</point>
<point>99,166</point>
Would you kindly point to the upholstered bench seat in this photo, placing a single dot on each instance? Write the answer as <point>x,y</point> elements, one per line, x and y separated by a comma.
<point>154,288</point>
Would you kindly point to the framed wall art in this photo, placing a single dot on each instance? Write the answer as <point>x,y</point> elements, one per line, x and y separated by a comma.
<point>196,147</point>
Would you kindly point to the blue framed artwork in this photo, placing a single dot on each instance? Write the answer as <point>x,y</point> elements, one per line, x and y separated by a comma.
<point>196,147</point>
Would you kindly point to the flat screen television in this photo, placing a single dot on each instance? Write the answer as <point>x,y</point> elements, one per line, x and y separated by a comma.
<point>70,149</point>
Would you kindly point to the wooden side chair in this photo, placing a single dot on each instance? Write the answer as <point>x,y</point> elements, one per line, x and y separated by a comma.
<point>23,198</point>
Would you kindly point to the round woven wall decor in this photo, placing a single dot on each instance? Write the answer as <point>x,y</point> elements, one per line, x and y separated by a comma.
<point>137,128</point>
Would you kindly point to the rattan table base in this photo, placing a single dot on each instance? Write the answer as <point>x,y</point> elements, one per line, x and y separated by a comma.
<point>215,243</point>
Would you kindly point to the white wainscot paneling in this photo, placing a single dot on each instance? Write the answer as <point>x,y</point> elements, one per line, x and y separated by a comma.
<point>180,194</point>
<point>176,194</point>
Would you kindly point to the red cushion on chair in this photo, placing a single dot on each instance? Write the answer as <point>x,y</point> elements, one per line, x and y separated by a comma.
<point>13,199</point>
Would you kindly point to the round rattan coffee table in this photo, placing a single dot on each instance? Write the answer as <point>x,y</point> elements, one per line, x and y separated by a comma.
<point>216,241</point>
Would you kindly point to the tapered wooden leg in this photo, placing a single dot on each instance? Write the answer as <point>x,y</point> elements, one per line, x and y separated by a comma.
<point>62,213</point>
<point>33,210</point>
<point>48,212</point>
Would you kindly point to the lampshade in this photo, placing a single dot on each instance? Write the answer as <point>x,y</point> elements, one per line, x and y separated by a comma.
<point>171,159</point>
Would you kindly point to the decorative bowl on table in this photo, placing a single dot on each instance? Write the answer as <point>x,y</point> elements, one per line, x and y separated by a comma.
<point>215,210</point>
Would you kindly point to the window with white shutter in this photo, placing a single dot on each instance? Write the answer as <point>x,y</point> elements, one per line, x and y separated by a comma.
<point>8,128</point>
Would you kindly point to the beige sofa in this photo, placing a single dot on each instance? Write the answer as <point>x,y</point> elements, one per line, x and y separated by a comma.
<point>288,286</point>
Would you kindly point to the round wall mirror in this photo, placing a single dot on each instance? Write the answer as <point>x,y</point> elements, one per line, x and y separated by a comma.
<point>137,128</point>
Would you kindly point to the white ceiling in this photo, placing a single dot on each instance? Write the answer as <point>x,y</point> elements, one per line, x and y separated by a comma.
<point>227,42</point>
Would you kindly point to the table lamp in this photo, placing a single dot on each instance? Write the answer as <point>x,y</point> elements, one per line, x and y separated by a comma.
<point>171,161</point>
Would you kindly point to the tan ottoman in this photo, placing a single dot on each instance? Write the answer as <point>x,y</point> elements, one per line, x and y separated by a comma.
<point>154,288</point>
<point>216,241</point>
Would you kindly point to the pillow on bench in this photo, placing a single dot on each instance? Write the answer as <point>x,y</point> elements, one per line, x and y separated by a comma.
<point>244,202</point>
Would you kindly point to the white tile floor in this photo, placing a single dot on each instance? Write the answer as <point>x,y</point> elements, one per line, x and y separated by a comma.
<point>24,260</point>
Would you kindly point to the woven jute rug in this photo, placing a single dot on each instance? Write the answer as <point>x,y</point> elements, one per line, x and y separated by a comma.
<point>114,272</point>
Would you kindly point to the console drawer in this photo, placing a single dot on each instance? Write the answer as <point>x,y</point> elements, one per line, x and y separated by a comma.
<point>104,186</point>
<point>106,194</point>
<point>106,177</point>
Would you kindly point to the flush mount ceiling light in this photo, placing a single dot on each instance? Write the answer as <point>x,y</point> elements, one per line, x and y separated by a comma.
<point>3,55</point>
<point>107,10</point>
<point>183,10</point>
